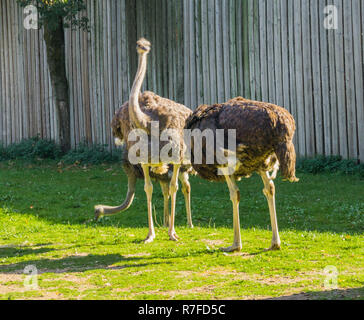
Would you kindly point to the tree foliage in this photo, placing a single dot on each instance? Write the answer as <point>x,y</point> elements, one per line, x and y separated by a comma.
<point>50,11</point>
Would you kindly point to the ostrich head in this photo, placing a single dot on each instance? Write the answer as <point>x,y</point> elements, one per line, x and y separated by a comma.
<point>143,46</point>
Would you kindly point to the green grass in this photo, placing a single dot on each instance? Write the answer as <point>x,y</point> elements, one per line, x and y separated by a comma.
<point>45,214</point>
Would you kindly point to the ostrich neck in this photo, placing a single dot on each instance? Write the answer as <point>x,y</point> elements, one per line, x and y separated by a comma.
<point>138,118</point>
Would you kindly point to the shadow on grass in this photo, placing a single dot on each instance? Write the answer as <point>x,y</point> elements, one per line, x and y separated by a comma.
<point>344,294</point>
<point>79,264</point>
<point>20,251</point>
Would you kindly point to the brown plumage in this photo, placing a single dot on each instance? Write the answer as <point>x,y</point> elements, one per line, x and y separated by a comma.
<point>121,128</point>
<point>142,110</point>
<point>169,114</point>
<point>264,135</point>
<point>264,132</point>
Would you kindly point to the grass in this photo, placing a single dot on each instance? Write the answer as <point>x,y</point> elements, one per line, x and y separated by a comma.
<point>45,220</point>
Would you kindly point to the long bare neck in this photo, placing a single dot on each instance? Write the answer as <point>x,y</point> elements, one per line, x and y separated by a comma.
<point>138,118</point>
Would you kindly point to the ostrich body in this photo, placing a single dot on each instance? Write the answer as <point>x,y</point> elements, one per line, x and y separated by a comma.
<point>169,115</point>
<point>121,128</point>
<point>264,134</point>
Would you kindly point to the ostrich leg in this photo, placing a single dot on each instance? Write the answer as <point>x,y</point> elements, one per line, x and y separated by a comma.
<point>165,190</point>
<point>269,192</point>
<point>186,189</point>
<point>235,199</point>
<point>148,187</point>
<point>173,189</point>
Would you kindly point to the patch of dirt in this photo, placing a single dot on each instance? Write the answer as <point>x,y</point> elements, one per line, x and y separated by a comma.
<point>10,277</point>
<point>4,289</point>
<point>173,293</point>
<point>184,274</point>
<point>137,255</point>
<point>236,275</point>
<point>213,243</point>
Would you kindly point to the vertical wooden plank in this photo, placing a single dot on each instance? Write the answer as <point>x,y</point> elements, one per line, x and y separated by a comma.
<point>225,45</point>
<point>150,7</point>
<point>6,73</point>
<point>219,53</point>
<point>278,79</point>
<point>158,46</point>
<point>92,73</point>
<point>86,86</point>
<point>113,72</point>
<point>205,34</point>
<point>17,96</point>
<point>118,55</point>
<point>80,87</point>
<point>105,74</point>
<point>307,75</point>
<point>247,91</point>
<point>239,47</point>
<point>187,58</point>
<point>180,48</point>
<point>270,52</point>
<point>250,24</point>
<point>212,51</point>
<point>292,65</point>
<point>325,81</point>
<point>350,82</point>
<point>316,77</point>
<point>358,41</point>
<point>10,92</point>
<point>192,55</point>
<point>47,97</point>
<point>200,51</point>
<point>2,77</point>
<point>285,47</point>
<point>256,30</point>
<point>125,70</point>
<point>109,71</point>
<point>299,79</point>
<point>99,65</point>
<point>233,65</point>
<point>170,50</point>
<point>263,49</point>
<point>41,86</point>
<point>71,78</point>
<point>335,149</point>
<point>340,81</point>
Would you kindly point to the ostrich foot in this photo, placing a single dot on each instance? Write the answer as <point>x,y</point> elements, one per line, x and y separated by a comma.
<point>233,248</point>
<point>150,238</point>
<point>190,225</point>
<point>173,235</point>
<point>274,247</point>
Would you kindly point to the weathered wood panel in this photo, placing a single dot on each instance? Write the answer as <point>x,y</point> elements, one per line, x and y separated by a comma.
<point>205,51</point>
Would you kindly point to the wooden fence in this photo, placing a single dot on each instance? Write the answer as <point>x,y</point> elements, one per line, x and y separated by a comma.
<point>204,51</point>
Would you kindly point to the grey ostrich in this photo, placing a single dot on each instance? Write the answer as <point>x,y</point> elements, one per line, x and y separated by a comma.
<point>264,134</point>
<point>121,128</point>
<point>145,110</point>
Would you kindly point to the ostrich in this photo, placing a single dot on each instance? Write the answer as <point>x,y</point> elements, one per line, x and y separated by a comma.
<point>264,134</point>
<point>170,116</point>
<point>121,128</point>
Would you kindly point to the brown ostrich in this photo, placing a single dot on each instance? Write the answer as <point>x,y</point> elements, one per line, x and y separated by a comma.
<point>145,110</point>
<point>121,128</point>
<point>264,134</point>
